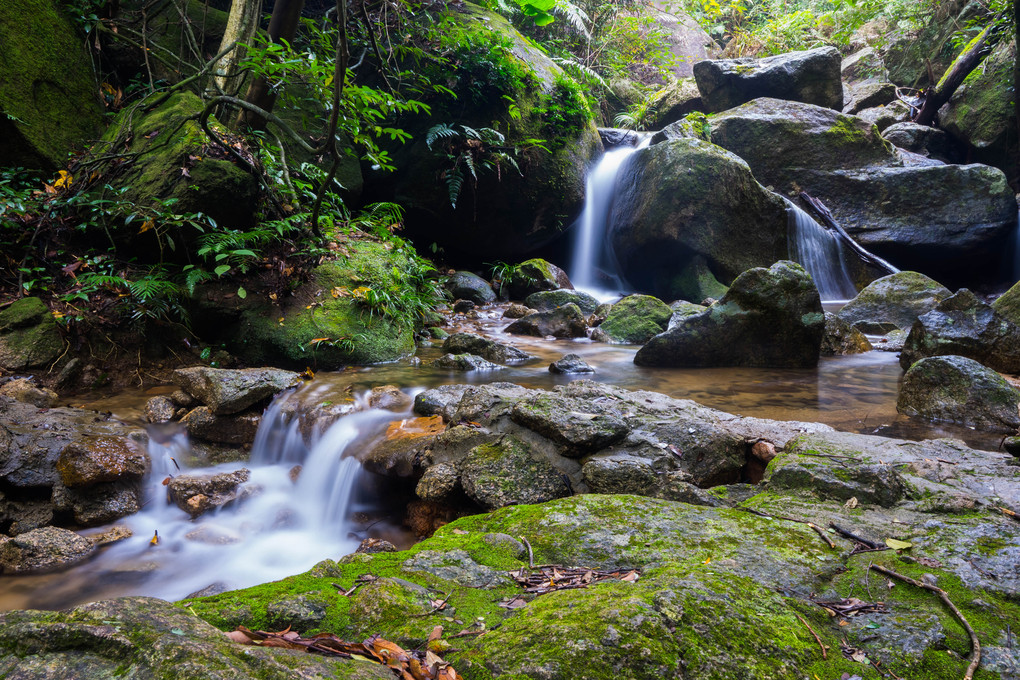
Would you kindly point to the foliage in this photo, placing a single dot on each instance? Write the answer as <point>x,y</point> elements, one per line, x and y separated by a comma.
<point>471,150</point>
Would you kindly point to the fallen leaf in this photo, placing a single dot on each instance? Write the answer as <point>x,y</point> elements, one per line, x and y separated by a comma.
<point>239,637</point>
<point>898,545</point>
<point>155,538</point>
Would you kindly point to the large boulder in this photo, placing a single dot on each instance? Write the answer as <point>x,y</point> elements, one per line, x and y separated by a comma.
<point>562,322</point>
<point>959,390</point>
<point>673,102</point>
<point>49,98</point>
<point>226,391</point>
<point>469,286</point>
<point>891,302</point>
<point>811,76</point>
<point>684,205</point>
<point>937,219</point>
<point>534,276</point>
<point>41,550</point>
<point>549,300</point>
<point>28,335</point>
<point>670,29</point>
<point>964,325</point>
<point>491,67</point>
<point>507,472</point>
<point>769,317</point>
<point>469,343</point>
<point>636,319</point>
<point>924,140</point>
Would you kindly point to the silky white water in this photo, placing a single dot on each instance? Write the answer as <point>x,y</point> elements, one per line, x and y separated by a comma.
<point>820,253</point>
<point>593,269</point>
<point>284,526</point>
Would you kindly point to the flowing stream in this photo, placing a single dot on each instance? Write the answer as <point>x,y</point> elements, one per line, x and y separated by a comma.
<point>820,253</point>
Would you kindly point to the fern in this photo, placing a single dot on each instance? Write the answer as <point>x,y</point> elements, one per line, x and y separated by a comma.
<point>440,131</point>
<point>576,17</point>
<point>581,71</point>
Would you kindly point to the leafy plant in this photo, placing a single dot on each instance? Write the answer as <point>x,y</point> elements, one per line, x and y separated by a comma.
<point>469,151</point>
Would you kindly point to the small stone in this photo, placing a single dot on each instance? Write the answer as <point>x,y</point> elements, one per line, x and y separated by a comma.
<point>763,451</point>
<point>461,306</point>
<point>375,545</point>
<point>160,409</point>
<point>27,391</point>
<point>116,533</point>
<point>570,363</point>
<point>182,398</point>
<point>517,311</point>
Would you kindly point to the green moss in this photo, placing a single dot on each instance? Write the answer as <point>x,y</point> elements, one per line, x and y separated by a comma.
<point>636,319</point>
<point>846,131</point>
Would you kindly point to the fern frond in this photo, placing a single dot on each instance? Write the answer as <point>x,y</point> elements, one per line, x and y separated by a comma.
<point>581,71</point>
<point>440,131</point>
<point>471,133</point>
<point>575,16</point>
<point>469,161</point>
<point>454,183</point>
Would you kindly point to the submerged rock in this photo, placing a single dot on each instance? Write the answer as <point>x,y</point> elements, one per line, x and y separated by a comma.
<point>959,390</point>
<point>469,343</point>
<point>841,339</point>
<point>570,364</point>
<point>636,319</point>
<point>810,76</point>
<point>769,317</point>
<point>892,302</point>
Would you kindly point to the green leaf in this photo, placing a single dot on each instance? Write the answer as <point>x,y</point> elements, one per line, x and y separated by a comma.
<point>242,293</point>
<point>222,269</point>
<point>898,545</point>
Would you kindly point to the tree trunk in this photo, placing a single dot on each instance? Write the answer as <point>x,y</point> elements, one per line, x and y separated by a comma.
<point>282,28</point>
<point>961,67</point>
<point>242,23</point>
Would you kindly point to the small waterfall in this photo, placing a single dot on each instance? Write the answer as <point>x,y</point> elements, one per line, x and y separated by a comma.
<point>820,253</point>
<point>592,267</point>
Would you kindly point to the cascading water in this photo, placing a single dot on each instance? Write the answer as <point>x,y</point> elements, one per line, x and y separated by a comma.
<point>820,253</point>
<point>282,527</point>
<point>592,267</point>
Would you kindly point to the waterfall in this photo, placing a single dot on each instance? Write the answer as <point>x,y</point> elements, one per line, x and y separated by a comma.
<point>592,266</point>
<point>820,253</point>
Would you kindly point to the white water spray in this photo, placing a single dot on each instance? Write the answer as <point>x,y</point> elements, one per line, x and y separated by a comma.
<point>820,253</point>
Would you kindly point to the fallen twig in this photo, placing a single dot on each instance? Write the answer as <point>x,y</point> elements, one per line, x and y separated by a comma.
<point>531,553</point>
<point>817,639</point>
<point>854,537</point>
<point>974,642</point>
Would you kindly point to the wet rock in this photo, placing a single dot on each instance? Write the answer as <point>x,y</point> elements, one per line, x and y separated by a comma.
<point>469,343</point>
<point>183,399</point>
<point>465,362</point>
<point>114,534</point>
<point>516,310</point>
<point>236,429</point>
<point>24,515</point>
<point>867,95</point>
<point>372,546</point>
<point>42,550</point>
<point>840,338</point>
<point>636,319</point>
<point>959,390</point>
<point>548,300</point>
<point>614,137</point>
<point>160,409</point>
<point>226,391</point>
<point>892,302</point>
<point>579,433</point>
<point>468,286</point>
<point>212,536</point>
<point>440,400</point>
<point>964,325</point>
<point>536,275</point>
<point>681,310</point>
<point>508,472</point>
<point>463,306</point>
<point>94,460</point>
<point>390,398</point>
<point>439,483</point>
<point>27,391</point>
<point>98,504</point>
<point>811,76</point>
<point>923,139</point>
<point>689,217</point>
<point>28,335</point>
<point>769,317</point>
<point>1012,445</point>
<point>402,446</point>
<point>196,494</point>
<point>562,322</point>
<point>570,363</point>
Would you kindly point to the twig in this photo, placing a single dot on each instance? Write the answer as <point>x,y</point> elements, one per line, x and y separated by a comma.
<point>867,585</point>
<point>818,530</point>
<point>974,643</point>
<point>817,639</point>
<point>854,537</point>
<point>531,553</point>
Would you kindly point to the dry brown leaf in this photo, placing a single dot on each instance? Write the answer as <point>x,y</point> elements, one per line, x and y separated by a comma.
<point>239,637</point>
<point>436,633</point>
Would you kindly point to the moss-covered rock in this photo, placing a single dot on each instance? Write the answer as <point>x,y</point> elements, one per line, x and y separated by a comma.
<point>673,102</point>
<point>507,214</point>
<point>327,322</point>
<point>959,390</point>
<point>172,163</point>
<point>891,302</point>
<point>28,335</point>
<point>549,300</point>
<point>636,319</point>
<point>508,472</point>
<point>769,317</point>
<point>678,201</point>
<point>841,338</point>
<point>49,98</point>
<point>535,276</point>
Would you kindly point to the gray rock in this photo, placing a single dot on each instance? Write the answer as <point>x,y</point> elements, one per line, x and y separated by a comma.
<point>468,286</point>
<point>864,66</point>
<point>923,139</point>
<point>28,335</point>
<point>883,117</point>
<point>683,309</point>
<point>94,460</point>
<point>636,319</point>
<point>508,472</point>
<point>440,400</point>
<point>41,550</point>
<point>614,137</point>
<point>811,76</point>
<point>197,494</point>
<point>465,362</point>
<point>562,322</point>
<point>673,103</point>
<point>389,398</point>
<point>840,338</point>
<point>469,343</point>
<point>769,317</point>
<point>867,95</point>
<point>160,409</point>
<point>237,429</point>
<point>548,300</point>
<point>569,364</point>
<point>26,390</point>
<point>892,302</point>
<point>227,391</point>
<point>299,613</point>
<point>516,310</point>
<point>579,433</point>
<point>439,483</point>
<point>463,306</point>
<point>99,504</point>
<point>959,390</point>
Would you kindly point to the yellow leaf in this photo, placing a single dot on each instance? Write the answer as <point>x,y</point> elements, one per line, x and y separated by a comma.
<point>315,341</point>
<point>898,545</point>
<point>155,538</point>
<point>64,179</point>
<point>146,226</point>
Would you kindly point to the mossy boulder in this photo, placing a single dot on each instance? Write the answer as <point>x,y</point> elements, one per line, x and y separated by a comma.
<point>959,390</point>
<point>49,98</point>
<point>172,162</point>
<point>326,323</point>
<point>936,219</point>
<point>810,76</point>
<point>864,66</point>
<point>508,472</point>
<point>549,300</point>
<point>28,335</point>
<point>1007,305</point>
<point>636,319</point>
<point>894,301</point>
<point>769,317</point>
<point>841,338</point>
<point>509,213</point>
<point>470,286</point>
<point>673,102</point>
<point>534,276</point>
<point>685,206</point>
